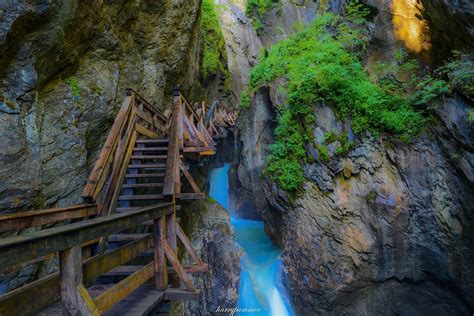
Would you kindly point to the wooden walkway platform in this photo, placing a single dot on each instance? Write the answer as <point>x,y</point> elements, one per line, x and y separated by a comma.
<point>119,257</point>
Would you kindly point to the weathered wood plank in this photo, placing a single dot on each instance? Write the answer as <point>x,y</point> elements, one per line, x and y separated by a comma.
<point>70,271</point>
<point>28,219</point>
<point>189,177</point>
<point>187,244</point>
<point>160,265</point>
<point>182,295</point>
<point>119,291</point>
<point>111,141</point>
<point>170,254</point>
<point>144,131</point>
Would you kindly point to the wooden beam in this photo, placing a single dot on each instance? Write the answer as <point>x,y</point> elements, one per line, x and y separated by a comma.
<point>86,304</point>
<point>144,131</point>
<point>70,271</point>
<point>26,247</point>
<point>28,219</point>
<point>178,267</point>
<point>187,244</point>
<point>160,268</point>
<point>189,177</point>
<point>119,291</point>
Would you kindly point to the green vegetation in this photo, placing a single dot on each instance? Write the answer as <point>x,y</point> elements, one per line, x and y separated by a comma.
<point>321,62</point>
<point>74,86</point>
<point>244,99</point>
<point>215,57</point>
<point>257,9</point>
<point>460,72</point>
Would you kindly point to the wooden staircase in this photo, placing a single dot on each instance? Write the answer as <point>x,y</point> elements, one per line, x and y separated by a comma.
<point>120,256</point>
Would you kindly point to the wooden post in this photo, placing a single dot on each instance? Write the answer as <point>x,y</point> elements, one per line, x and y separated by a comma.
<point>70,265</point>
<point>161,265</point>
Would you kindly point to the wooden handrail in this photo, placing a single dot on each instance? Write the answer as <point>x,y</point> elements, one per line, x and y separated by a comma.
<point>22,220</point>
<point>22,248</point>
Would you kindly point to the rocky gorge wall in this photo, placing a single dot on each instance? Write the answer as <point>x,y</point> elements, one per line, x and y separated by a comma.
<point>389,228</point>
<point>64,68</point>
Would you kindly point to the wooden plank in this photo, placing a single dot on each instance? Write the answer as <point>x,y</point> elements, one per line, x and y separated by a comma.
<point>189,177</point>
<point>28,219</point>
<point>119,291</point>
<point>118,180</point>
<point>173,150</point>
<point>147,165</point>
<point>86,304</point>
<point>187,244</point>
<point>151,149</point>
<point>145,116</point>
<point>145,175</point>
<point>170,254</point>
<point>36,244</point>
<point>141,197</point>
<point>126,237</point>
<point>142,302</point>
<point>145,157</point>
<point>142,185</point>
<point>160,265</point>
<point>70,271</point>
<point>182,295</point>
<point>153,141</point>
<point>112,140</point>
<point>144,131</point>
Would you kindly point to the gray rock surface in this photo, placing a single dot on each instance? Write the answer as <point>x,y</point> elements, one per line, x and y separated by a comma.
<point>209,229</point>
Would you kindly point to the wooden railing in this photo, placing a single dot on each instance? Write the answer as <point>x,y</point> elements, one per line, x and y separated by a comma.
<point>136,116</point>
<point>69,283</point>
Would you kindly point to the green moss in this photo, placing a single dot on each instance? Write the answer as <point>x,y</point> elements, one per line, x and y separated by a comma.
<point>371,196</point>
<point>257,9</point>
<point>470,116</point>
<point>74,86</point>
<point>323,153</point>
<point>245,99</point>
<point>215,57</point>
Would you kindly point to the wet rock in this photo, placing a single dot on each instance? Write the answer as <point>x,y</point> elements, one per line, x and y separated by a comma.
<point>209,229</point>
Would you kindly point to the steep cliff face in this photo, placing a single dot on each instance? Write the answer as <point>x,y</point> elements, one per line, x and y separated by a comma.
<point>389,227</point>
<point>64,68</point>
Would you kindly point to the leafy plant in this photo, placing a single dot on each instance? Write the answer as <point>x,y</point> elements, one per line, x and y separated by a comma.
<point>74,86</point>
<point>320,66</point>
<point>460,71</point>
<point>215,58</point>
<point>245,99</point>
<point>258,8</point>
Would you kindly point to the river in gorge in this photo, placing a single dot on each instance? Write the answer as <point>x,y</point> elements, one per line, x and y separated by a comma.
<point>260,287</point>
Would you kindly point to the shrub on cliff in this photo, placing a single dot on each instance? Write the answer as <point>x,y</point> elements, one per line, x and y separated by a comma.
<point>321,63</point>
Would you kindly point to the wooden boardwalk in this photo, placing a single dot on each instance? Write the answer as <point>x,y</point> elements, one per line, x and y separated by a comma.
<point>118,251</point>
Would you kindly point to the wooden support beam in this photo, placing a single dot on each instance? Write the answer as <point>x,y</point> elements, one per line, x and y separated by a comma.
<point>22,220</point>
<point>170,254</point>
<point>119,291</point>
<point>70,270</point>
<point>160,267</point>
<point>187,244</point>
<point>189,177</point>
<point>144,131</point>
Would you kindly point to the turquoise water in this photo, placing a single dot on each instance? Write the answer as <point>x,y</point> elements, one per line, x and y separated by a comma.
<point>261,264</point>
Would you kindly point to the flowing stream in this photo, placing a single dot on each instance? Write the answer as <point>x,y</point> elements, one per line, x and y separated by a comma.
<point>261,265</point>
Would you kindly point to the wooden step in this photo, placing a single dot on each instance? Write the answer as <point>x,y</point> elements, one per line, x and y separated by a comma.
<point>143,301</point>
<point>145,175</point>
<point>136,208</point>
<point>147,166</point>
<point>140,197</point>
<point>142,185</point>
<point>182,294</point>
<point>126,237</point>
<point>144,157</point>
<point>150,149</point>
<point>127,270</point>
<point>152,141</point>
